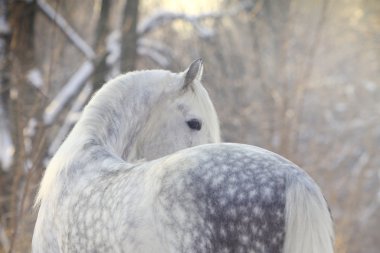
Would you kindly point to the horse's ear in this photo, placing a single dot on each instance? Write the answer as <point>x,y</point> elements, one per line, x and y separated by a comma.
<point>193,72</point>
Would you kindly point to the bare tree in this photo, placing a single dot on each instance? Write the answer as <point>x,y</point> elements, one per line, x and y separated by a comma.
<point>101,33</point>
<point>129,36</point>
<point>22,101</point>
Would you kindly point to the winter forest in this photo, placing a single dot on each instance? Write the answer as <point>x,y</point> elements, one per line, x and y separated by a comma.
<point>297,77</point>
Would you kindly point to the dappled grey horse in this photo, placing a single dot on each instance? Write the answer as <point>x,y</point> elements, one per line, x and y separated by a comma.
<point>132,176</point>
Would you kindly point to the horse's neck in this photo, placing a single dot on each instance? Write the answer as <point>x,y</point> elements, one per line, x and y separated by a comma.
<point>107,129</point>
<point>113,119</point>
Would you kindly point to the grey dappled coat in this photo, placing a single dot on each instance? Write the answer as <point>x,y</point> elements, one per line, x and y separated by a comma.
<point>97,194</point>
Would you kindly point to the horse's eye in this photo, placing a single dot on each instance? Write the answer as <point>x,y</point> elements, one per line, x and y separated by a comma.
<point>194,124</point>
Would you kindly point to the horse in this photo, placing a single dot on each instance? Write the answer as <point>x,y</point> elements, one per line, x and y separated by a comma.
<point>144,170</point>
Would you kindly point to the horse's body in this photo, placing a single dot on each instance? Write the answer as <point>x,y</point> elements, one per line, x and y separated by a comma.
<point>209,198</point>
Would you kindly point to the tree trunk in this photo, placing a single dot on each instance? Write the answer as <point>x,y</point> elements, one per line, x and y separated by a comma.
<point>23,96</point>
<point>129,36</point>
<point>102,30</point>
<point>4,47</point>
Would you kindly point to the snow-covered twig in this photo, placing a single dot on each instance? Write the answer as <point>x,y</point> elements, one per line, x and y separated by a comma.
<point>4,26</point>
<point>34,77</point>
<point>156,45</point>
<point>154,50</point>
<point>154,55</point>
<point>113,47</point>
<point>66,29</point>
<point>164,17</point>
<point>29,133</point>
<point>70,89</point>
<point>71,118</point>
<point>6,144</point>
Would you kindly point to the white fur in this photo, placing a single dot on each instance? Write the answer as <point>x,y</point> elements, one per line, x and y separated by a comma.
<point>308,227</point>
<point>143,115</point>
<point>122,93</point>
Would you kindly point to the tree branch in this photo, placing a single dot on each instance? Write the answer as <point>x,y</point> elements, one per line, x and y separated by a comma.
<point>70,33</point>
<point>6,143</point>
<point>164,17</point>
<point>70,119</point>
<point>70,89</point>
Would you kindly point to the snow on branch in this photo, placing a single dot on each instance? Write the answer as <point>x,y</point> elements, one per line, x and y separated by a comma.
<point>4,26</point>
<point>6,144</point>
<point>68,91</point>
<point>66,29</point>
<point>156,45</point>
<point>71,89</point>
<point>113,47</point>
<point>155,50</point>
<point>34,77</point>
<point>154,55</point>
<point>165,17</point>
<point>71,118</point>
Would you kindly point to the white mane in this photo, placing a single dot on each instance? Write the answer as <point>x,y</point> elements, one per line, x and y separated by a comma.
<point>117,119</point>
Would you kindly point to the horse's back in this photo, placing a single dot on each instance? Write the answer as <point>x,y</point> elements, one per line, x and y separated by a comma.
<point>211,198</point>
<point>225,198</point>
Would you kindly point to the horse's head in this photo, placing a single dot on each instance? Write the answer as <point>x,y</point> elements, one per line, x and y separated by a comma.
<point>183,117</point>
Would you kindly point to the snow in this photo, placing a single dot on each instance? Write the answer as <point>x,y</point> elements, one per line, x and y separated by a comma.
<point>71,118</point>
<point>72,87</point>
<point>370,86</point>
<point>29,131</point>
<point>113,47</point>
<point>156,51</point>
<point>156,45</point>
<point>163,17</point>
<point>156,56</point>
<point>4,27</point>
<point>35,77</point>
<point>6,144</point>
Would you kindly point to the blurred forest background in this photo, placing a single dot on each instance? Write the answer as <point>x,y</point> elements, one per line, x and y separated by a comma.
<point>298,77</point>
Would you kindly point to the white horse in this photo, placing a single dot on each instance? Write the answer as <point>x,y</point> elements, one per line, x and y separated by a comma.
<point>118,184</point>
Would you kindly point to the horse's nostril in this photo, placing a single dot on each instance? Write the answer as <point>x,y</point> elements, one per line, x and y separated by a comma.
<point>194,124</point>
